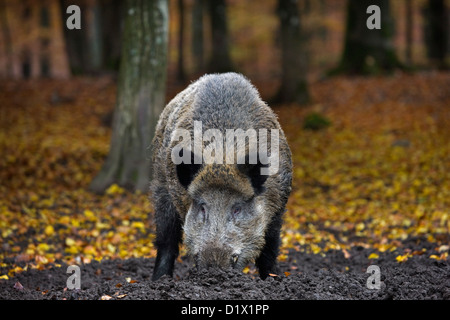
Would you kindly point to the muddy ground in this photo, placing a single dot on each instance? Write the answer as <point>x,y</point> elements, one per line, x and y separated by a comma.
<point>302,276</point>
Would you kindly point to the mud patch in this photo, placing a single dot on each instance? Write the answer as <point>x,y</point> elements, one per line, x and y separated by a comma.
<point>301,276</point>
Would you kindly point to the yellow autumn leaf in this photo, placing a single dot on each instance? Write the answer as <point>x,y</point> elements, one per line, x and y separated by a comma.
<point>64,220</point>
<point>70,242</point>
<point>114,189</point>
<point>373,256</point>
<point>71,250</point>
<point>315,248</point>
<point>49,230</point>
<point>138,225</point>
<point>90,250</point>
<point>6,233</point>
<point>123,253</point>
<point>360,226</point>
<point>89,214</point>
<point>111,248</point>
<point>402,258</point>
<point>282,257</point>
<point>43,247</point>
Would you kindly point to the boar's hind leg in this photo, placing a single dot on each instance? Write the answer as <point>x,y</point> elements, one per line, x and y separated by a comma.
<point>267,261</point>
<point>168,234</point>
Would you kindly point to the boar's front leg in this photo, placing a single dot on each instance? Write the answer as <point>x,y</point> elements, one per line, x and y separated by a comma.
<point>267,261</point>
<point>168,233</point>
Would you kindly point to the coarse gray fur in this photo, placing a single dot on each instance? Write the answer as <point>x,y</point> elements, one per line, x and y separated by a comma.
<point>229,216</point>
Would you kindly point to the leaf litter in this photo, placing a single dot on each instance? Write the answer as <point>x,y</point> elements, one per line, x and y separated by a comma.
<point>376,177</point>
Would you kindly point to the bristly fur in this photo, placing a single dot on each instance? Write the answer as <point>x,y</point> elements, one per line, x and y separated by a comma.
<point>181,193</point>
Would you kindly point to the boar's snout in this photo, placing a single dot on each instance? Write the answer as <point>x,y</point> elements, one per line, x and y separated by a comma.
<point>217,257</point>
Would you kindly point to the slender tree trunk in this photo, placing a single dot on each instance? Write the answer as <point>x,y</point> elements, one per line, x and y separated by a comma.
<point>368,51</point>
<point>180,65</point>
<point>197,35</point>
<point>220,58</point>
<point>437,28</point>
<point>112,12</point>
<point>140,96</point>
<point>293,87</point>
<point>7,43</point>
<point>409,31</point>
<point>75,40</point>
<point>54,59</point>
<point>94,36</point>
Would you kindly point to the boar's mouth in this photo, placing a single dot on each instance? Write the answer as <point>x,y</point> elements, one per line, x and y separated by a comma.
<point>217,257</point>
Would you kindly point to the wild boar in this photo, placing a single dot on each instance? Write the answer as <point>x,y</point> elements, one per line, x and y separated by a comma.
<point>218,177</point>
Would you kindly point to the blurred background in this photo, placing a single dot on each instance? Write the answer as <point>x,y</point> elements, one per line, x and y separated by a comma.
<point>34,42</point>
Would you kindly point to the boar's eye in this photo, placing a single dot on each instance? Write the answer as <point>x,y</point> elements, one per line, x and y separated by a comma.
<point>202,209</point>
<point>236,211</point>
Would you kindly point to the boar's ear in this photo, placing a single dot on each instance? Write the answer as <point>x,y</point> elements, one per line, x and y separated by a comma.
<point>187,171</point>
<point>253,171</point>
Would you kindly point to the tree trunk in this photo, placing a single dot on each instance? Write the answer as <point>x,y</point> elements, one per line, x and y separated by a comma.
<point>74,39</point>
<point>409,31</point>
<point>197,35</point>
<point>112,13</point>
<point>54,60</point>
<point>293,87</point>
<point>220,58</point>
<point>368,51</point>
<point>436,31</point>
<point>94,36</point>
<point>140,96</point>
<point>181,77</point>
<point>7,43</point>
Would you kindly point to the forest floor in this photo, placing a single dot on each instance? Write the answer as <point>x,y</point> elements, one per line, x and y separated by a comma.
<point>373,188</point>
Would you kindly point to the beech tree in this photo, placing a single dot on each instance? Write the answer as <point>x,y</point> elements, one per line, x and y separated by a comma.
<point>437,32</point>
<point>368,51</point>
<point>293,86</point>
<point>220,57</point>
<point>140,96</point>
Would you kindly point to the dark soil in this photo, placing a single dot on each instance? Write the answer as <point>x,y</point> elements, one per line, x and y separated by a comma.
<point>308,276</point>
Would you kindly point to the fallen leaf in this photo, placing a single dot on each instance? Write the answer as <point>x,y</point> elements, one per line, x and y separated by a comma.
<point>18,286</point>
<point>70,242</point>
<point>49,230</point>
<point>347,255</point>
<point>402,258</point>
